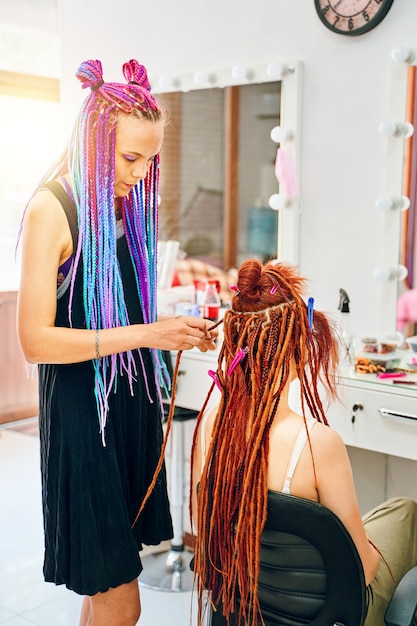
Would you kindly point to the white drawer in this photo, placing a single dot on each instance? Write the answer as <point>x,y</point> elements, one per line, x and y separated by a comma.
<point>193,379</point>
<point>387,422</point>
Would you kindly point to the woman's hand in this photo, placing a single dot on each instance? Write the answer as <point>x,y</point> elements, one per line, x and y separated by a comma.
<point>181,333</point>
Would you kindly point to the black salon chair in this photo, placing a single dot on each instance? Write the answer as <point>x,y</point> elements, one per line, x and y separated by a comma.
<point>311,573</point>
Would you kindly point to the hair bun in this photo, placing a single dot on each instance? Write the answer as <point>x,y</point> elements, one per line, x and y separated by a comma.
<point>90,74</point>
<point>136,74</point>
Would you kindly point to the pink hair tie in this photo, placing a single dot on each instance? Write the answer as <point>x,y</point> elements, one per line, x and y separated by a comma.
<point>240,355</point>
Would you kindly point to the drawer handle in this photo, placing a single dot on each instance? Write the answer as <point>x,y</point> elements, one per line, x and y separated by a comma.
<point>389,413</point>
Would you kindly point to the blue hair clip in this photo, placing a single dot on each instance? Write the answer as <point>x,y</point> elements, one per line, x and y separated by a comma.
<point>310,312</point>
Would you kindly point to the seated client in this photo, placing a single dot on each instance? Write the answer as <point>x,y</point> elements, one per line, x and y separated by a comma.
<point>243,448</point>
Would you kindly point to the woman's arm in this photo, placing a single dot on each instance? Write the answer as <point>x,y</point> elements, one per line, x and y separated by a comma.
<point>46,244</point>
<point>337,491</point>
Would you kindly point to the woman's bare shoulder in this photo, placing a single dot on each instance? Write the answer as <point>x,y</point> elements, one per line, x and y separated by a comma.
<point>42,203</point>
<point>328,439</point>
<point>44,212</point>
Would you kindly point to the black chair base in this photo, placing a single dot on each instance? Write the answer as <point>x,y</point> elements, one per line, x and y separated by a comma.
<point>167,571</point>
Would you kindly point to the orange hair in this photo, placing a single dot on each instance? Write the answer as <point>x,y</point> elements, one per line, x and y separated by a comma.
<point>269,320</point>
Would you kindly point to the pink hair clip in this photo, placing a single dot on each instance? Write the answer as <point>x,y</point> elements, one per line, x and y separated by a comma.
<point>215,378</point>
<point>274,289</point>
<point>241,353</point>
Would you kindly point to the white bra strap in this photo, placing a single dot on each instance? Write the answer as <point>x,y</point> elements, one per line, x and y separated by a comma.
<point>296,453</point>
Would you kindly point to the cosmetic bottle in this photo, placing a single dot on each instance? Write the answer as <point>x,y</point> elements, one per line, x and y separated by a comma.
<point>211,301</point>
<point>346,353</point>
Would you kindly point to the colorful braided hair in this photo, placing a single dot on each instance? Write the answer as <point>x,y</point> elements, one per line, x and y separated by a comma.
<point>268,328</point>
<point>89,159</point>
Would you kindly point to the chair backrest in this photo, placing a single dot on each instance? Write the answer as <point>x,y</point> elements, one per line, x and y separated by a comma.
<point>310,572</point>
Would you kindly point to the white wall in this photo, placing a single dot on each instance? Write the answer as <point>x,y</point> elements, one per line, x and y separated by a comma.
<point>345,97</point>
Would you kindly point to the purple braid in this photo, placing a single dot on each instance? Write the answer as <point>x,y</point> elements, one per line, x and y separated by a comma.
<point>90,161</point>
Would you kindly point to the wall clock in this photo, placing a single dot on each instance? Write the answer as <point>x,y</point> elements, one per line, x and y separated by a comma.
<point>352,17</point>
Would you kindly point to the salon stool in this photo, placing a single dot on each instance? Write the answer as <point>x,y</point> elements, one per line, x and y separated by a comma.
<point>170,570</point>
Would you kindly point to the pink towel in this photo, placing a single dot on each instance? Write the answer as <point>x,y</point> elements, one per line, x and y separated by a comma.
<point>285,171</point>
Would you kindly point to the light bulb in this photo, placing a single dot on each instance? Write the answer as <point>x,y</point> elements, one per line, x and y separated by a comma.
<point>279,134</point>
<point>277,201</point>
<point>241,73</point>
<point>276,70</point>
<point>402,272</point>
<point>392,203</point>
<point>396,129</point>
<point>201,77</point>
<point>401,54</point>
<point>383,274</point>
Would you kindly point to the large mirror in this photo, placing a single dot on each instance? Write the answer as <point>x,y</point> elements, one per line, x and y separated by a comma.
<point>218,173</point>
<point>219,159</point>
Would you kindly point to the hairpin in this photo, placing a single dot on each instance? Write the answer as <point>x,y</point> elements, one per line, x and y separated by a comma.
<point>274,289</point>
<point>310,312</point>
<point>234,288</point>
<point>215,378</point>
<point>240,355</point>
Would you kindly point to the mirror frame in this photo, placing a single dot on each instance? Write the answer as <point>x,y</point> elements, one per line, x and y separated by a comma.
<point>392,220</point>
<point>290,74</point>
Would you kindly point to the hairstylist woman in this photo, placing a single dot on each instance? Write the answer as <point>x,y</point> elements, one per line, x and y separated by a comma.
<point>87,315</point>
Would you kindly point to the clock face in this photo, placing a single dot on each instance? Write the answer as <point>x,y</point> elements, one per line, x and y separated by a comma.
<point>352,17</point>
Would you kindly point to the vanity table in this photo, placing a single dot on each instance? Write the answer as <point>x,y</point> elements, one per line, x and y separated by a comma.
<point>377,415</point>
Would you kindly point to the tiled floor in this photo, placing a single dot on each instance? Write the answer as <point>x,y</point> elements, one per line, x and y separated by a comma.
<point>25,599</point>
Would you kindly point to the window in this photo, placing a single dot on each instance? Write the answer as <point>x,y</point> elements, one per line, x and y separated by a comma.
<point>29,114</point>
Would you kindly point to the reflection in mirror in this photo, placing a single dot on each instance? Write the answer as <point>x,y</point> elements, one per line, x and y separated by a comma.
<point>218,172</point>
<point>407,297</point>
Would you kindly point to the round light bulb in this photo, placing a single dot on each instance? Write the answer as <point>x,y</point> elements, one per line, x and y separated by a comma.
<point>383,203</point>
<point>401,54</point>
<point>279,134</point>
<point>201,77</point>
<point>396,129</point>
<point>277,201</point>
<point>383,274</point>
<point>276,70</point>
<point>387,203</point>
<point>402,272</point>
<point>239,72</point>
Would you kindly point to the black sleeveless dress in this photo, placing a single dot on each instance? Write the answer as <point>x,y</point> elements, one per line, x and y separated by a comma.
<point>91,493</point>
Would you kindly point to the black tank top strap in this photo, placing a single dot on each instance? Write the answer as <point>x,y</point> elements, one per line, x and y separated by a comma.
<point>69,208</point>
